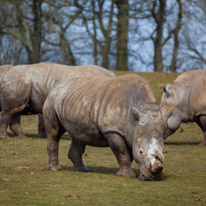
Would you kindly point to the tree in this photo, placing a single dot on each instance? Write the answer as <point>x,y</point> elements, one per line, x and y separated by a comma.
<point>99,14</point>
<point>158,14</point>
<point>193,41</point>
<point>173,66</point>
<point>10,50</point>
<point>122,34</point>
<point>59,18</point>
<point>26,26</point>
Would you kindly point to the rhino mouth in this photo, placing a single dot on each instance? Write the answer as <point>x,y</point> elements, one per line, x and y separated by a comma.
<point>153,173</point>
<point>150,177</point>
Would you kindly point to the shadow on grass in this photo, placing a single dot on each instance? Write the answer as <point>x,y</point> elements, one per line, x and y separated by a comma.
<point>97,169</point>
<point>34,135</point>
<point>109,170</point>
<point>182,143</point>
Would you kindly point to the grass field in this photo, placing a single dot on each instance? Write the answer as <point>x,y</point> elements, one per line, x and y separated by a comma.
<point>23,180</point>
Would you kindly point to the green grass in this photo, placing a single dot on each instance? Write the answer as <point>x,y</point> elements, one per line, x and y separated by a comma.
<point>23,180</point>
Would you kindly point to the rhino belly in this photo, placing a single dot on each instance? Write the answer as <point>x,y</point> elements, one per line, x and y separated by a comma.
<point>86,134</point>
<point>91,139</point>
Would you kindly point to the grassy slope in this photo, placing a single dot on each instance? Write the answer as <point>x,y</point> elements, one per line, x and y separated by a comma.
<point>24,181</point>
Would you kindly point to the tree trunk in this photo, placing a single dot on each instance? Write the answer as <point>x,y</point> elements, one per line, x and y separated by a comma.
<point>36,34</point>
<point>95,51</point>
<point>173,66</point>
<point>159,18</point>
<point>105,49</point>
<point>122,34</point>
<point>66,50</point>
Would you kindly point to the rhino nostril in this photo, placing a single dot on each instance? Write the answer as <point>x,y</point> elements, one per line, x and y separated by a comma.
<point>156,168</point>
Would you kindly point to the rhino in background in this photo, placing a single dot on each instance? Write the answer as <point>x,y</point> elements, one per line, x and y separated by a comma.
<point>185,101</point>
<point>27,86</point>
<point>41,130</point>
<point>119,112</point>
<point>3,70</point>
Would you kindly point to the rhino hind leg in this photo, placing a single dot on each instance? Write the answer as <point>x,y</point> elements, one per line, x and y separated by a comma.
<point>202,123</point>
<point>54,131</point>
<point>16,128</point>
<point>10,116</point>
<point>4,122</point>
<point>53,138</point>
<point>75,155</point>
<point>122,154</point>
<point>41,126</point>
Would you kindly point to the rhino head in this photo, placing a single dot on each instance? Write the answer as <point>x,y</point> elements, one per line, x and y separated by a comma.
<point>172,108</point>
<point>147,145</point>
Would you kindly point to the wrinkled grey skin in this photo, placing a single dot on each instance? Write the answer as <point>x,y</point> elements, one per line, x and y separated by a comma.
<point>185,101</point>
<point>41,130</point>
<point>119,112</point>
<point>27,86</point>
<point>3,70</point>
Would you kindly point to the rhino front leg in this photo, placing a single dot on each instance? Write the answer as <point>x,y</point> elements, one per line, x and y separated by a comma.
<point>16,128</point>
<point>202,124</point>
<point>75,155</point>
<point>122,154</point>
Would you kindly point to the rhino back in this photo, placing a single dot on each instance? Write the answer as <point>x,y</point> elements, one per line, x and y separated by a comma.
<point>97,104</point>
<point>45,76</point>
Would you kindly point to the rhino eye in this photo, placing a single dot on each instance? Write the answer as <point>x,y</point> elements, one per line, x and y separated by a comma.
<point>136,118</point>
<point>140,152</point>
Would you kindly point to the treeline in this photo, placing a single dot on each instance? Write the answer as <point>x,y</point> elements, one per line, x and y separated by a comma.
<point>139,35</point>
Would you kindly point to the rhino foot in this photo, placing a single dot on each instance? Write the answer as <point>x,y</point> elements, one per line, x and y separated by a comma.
<point>21,136</point>
<point>126,172</point>
<point>52,167</point>
<point>202,144</point>
<point>4,137</point>
<point>80,168</point>
<point>41,135</point>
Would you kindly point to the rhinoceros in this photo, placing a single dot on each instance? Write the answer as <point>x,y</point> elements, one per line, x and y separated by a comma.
<point>27,86</point>
<point>185,101</point>
<point>41,130</point>
<point>119,112</point>
<point>3,70</point>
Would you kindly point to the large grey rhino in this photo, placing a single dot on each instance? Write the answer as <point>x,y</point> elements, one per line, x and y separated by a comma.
<point>119,112</point>
<point>185,101</point>
<point>27,86</point>
<point>41,131</point>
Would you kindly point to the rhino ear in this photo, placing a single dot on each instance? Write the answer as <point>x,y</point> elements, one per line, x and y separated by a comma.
<point>168,91</point>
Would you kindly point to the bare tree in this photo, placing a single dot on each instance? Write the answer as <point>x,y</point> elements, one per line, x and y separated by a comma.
<point>122,34</point>
<point>59,20</point>
<point>158,14</point>
<point>26,27</point>
<point>193,40</point>
<point>176,31</point>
